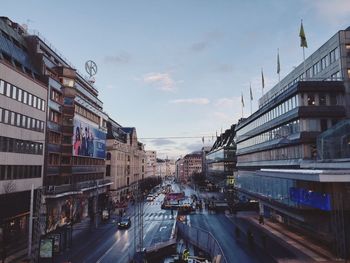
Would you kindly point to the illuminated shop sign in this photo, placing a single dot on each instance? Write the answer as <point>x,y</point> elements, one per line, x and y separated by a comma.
<point>310,198</point>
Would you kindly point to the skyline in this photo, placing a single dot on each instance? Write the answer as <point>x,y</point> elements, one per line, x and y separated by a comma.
<point>172,77</point>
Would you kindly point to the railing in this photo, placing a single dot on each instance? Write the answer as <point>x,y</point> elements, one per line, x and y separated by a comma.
<point>59,189</point>
<point>201,239</point>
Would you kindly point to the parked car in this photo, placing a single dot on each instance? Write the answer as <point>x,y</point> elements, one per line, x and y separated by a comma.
<point>124,223</point>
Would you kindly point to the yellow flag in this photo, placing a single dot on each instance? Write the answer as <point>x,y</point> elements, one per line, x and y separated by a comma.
<point>303,42</point>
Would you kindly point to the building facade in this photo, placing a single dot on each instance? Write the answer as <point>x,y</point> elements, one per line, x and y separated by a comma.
<point>221,160</point>
<point>192,164</point>
<point>278,157</point>
<point>126,161</point>
<point>23,100</point>
<point>151,164</point>
<point>74,184</point>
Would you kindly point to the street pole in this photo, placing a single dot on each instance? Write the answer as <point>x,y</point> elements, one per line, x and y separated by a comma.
<point>30,235</point>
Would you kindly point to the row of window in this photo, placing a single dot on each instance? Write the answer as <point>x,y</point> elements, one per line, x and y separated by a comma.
<point>323,63</point>
<point>277,189</point>
<point>290,152</point>
<point>309,125</point>
<point>270,115</point>
<point>55,159</point>
<point>87,114</point>
<point>14,172</point>
<point>20,146</point>
<point>21,95</point>
<point>307,99</point>
<point>319,99</point>
<point>276,133</point>
<point>58,180</point>
<point>327,60</point>
<point>20,120</point>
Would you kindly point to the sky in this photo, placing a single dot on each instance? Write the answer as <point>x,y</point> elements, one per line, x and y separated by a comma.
<point>177,69</point>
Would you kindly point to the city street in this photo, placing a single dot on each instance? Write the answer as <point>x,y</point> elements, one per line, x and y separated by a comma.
<point>110,244</point>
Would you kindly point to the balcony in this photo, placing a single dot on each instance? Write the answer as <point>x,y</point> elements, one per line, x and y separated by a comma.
<point>68,130</point>
<point>68,110</point>
<point>54,148</point>
<point>66,170</point>
<point>53,170</point>
<point>88,169</point>
<point>54,126</point>
<point>67,149</point>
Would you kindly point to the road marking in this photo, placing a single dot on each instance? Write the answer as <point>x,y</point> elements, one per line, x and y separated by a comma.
<point>163,227</point>
<point>109,250</point>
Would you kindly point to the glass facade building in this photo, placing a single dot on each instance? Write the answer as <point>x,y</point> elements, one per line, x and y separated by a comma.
<point>293,152</point>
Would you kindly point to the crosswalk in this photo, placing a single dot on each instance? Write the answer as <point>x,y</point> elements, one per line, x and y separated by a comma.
<point>153,203</point>
<point>158,216</point>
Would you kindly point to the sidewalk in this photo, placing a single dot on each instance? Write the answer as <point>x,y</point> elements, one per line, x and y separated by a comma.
<point>299,247</point>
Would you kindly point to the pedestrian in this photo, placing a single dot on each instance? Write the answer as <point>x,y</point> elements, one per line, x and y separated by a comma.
<point>261,219</point>
<point>3,253</point>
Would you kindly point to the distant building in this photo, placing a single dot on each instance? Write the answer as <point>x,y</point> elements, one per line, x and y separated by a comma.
<point>192,164</point>
<point>151,164</point>
<point>126,161</point>
<point>180,170</point>
<point>293,152</point>
<point>221,160</point>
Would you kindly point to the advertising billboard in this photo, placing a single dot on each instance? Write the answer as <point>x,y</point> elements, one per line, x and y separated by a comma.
<point>88,140</point>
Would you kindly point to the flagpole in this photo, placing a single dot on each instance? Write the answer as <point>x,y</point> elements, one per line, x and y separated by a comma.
<point>304,62</point>
<point>262,82</point>
<point>251,99</point>
<point>279,68</point>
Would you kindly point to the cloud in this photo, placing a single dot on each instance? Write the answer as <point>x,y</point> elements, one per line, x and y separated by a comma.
<point>227,103</point>
<point>194,147</point>
<point>199,46</point>
<point>336,11</point>
<point>121,58</point>
<point>208,39</point>
<point>224,68</point>
<point>162,81</point>
<point>162,142</point>
<point>198,101</point>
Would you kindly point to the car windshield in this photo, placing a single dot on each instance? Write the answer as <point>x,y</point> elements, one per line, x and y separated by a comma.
<point>124,220</point>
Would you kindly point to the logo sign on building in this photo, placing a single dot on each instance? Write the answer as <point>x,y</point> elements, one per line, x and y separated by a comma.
<point>88,140</point>
<point>230,180</point>
<point>310,198</point>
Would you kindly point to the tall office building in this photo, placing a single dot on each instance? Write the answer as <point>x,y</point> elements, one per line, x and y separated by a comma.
<point>279,161</point>
<point>23,100</point>
<point>74,181</point>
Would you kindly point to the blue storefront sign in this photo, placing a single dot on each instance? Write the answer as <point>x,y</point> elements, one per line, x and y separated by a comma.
<point>310,198</point>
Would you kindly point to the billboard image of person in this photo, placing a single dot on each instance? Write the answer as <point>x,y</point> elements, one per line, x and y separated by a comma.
<point>88,140</point>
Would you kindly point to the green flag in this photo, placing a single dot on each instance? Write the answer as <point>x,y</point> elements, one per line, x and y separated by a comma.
<point>303,42</point>
<point>251,93</point>
<point>262,79</point>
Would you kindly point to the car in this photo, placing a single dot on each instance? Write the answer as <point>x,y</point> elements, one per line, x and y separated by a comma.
<point>150,198</point>
<point>105,214</point>
<point>124,223</point>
